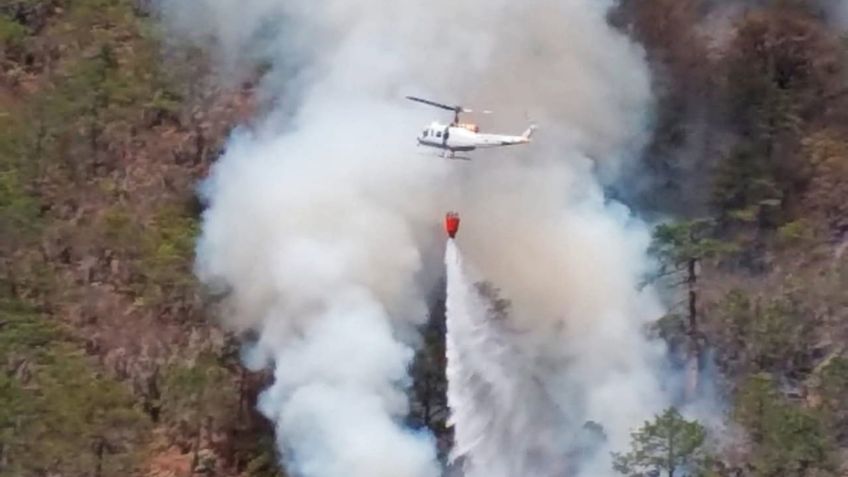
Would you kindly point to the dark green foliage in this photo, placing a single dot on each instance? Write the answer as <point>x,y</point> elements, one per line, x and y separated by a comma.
<point>23,335</point>
<point>745,189</point>
<point>58,413</point>
<point>681,248</point>
<point>170,244</point>
<point>111,80</point>
<point>669,445</point>
<point>677,244</point>
<point>19,214</point>
<point>88,116</point>
<point>86,411</point>
<point>428,395</point>
<point>778,334</point>
<point>121,229</point>
<point>788,440</point>
<point>498,306</point>
<point>98,94</point>
<point>160,253</point>
<point>14,406</point>
<point>198,390</point>
<point>199,396</point>
<point>756,335</point>
<point>265,462</point>
<point>31,14</point>
<point>826,154</point>
<point>18,209</point>
<point>12,33</point>
<point>833,390</point>
<point>799,233</point>
<point>782,69</point>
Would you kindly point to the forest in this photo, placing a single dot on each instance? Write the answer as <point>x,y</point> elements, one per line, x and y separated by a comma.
<point>113,363</point>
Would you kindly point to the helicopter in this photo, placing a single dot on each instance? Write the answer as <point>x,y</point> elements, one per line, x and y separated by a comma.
<point>463,137</point>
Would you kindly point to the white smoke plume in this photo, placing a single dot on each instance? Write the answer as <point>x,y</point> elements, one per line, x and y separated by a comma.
<point>545,394</point>
<point>323,221</point>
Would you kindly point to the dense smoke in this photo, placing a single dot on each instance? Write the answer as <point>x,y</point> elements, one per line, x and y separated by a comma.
<point>323,221</point>
<point>552,396</point>
<point>837,11</point>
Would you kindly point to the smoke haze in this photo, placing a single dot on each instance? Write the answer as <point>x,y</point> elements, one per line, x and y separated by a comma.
<point>838,10</point>
<point>323,221</point>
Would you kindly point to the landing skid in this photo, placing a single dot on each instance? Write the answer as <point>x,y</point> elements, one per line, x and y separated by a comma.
<point>448,156</point>
<point>452,155</point>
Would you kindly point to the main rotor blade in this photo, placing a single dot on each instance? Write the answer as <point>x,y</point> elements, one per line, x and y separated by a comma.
<point>433,103</point>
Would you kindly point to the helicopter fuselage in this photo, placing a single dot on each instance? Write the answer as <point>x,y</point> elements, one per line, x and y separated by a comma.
<point>465,137</point>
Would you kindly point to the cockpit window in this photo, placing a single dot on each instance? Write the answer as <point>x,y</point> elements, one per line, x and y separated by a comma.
<point>426,133</point>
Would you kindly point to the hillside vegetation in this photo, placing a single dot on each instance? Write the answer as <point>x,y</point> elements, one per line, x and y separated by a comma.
<point>751,156</point>
<point>112,365</point>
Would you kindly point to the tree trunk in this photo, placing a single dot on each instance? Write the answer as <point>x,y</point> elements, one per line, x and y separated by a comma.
<point>94,142</point>
<point>199,144</point>
<point>195,455</point>
<point>242,393</point>
<point>693,364</point>
<point>671,437</point>
<point>98,452</point>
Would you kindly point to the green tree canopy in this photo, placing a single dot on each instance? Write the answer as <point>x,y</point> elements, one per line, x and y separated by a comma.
<point>676,244</point>
<point>669,445</point>
<point>834,395</point>
<point>788,440</point>
<point>58,414</point>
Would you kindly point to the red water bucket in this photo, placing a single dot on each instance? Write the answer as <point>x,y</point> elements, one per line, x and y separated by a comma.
<point>451,224</point>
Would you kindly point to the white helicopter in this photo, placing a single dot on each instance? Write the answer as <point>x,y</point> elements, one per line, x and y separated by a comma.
<point>464,137</point>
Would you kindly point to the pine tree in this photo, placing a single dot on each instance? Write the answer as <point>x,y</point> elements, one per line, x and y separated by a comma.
<point>680,248</point>
<point>199,395</point>
<point>669,445</point>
